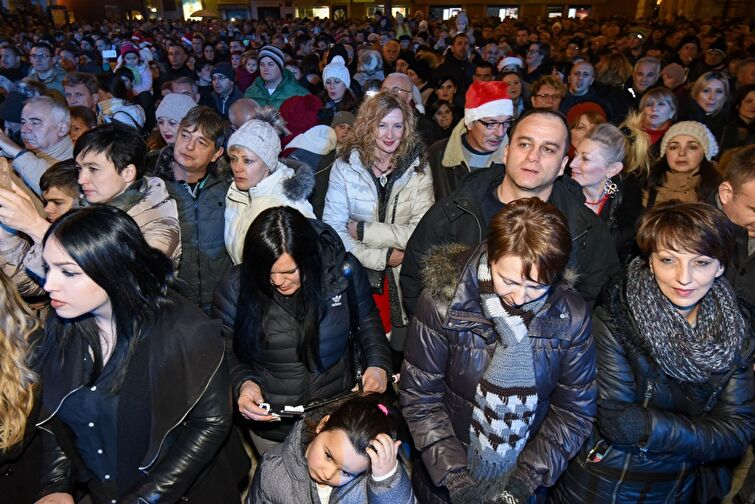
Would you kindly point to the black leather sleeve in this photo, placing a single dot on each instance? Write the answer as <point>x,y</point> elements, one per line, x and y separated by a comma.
<point>57,468</point>
<point>201,435</point>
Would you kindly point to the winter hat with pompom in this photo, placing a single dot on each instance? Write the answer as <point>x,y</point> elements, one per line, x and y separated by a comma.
<point>261,135</point>
<point>337,69</point>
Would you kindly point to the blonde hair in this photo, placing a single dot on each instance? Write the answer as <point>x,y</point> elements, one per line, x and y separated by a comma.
<point>627,145</point>
<point>363,135</point>
<point>17,380</point>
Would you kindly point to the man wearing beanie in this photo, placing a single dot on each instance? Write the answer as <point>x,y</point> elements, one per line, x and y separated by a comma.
<point>535,158</point>
<point>224,91</point>
<point>477,141</point>
<point>275,84</point>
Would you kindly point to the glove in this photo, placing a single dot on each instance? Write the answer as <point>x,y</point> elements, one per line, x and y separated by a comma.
<point>516,492</point>
<point>623,423</point>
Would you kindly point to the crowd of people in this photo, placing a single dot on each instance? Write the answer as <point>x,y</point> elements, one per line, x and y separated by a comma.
<point>394,259</point>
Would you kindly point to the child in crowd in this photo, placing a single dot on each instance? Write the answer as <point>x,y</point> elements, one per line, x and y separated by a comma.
<point>60,189</point>
<point>348,456</point>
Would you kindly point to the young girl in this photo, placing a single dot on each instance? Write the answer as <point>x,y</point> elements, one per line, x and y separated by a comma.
<point>330,459</point>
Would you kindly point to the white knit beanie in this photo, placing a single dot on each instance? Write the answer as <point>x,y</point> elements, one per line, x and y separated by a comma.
<point>261,138</point>
<point>694,129</point>
<point>174,106</point>
<point>337,69</point>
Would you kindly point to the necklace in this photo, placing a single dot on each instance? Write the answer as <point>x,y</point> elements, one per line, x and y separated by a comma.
<point>383,178</point>
<point>600,203</point>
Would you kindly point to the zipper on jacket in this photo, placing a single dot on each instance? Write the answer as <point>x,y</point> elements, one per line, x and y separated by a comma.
<point>648,394</point>
<point>479,226</point>
<point>677,482</point>
<point>162,441</point>
<point>621,478</point>
<point>44,421</point>
<point>199,256</point>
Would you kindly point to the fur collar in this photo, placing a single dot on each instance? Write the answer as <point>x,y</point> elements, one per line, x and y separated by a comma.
<point>302,183</point>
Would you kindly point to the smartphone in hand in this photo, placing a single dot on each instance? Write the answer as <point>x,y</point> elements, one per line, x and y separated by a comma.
<point>5,178</point>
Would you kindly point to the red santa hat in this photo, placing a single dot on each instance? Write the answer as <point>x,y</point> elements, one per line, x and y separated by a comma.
<point>487,99</point>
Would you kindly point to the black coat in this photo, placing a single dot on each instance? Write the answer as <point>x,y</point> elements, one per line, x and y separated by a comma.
<point>448,349</point>
<point>689,110</point>
<point>740,270</point>
<point>690,424</point>
<point>458,219</point>
<point>279,372</point>
<point>174,415</point>
<point>621,215</point>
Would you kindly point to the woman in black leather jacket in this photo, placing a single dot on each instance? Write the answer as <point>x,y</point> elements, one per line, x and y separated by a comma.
<point>675,370</point>
<point>498,382</point>
<point>136,404</point>
<point>288,311</point>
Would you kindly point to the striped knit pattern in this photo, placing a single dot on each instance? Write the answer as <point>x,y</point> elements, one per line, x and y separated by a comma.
<point>506,397</point>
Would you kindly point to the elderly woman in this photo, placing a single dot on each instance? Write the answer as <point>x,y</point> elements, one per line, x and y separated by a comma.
<point>707,103</point>
<point>611,169</point>
<point>498,382</point>
<point>676,381</point>
<point>685,172</point>
<point>380,187</point>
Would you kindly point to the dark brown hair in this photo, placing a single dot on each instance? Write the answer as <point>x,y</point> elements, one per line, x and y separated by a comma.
<point>207,121</point>
<point>740,168</point>
<point>690,227</point>
<point>534,231</point>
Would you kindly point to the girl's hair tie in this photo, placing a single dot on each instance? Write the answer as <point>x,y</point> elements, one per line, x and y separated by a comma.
<point>383,409</point>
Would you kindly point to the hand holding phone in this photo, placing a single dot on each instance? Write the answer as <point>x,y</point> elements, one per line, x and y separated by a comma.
<point>5,176</point>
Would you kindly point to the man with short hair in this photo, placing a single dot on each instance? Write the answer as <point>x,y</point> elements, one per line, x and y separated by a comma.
<point>45,124</point>
<point>483,71</point>
<point>401,84</point>
<point>81,90</point>
<point>535,158</point>
<point>11,64</point>
<point>177,57</point>
<point>580,90</point>
<point>456,63</point>
<point>736,197</point>
<point>44,70</point>
<point>241,111</point>
<point>186,86</point>
<point>194,174</point>
<point>476,142</point>
<point>275,84</point>
<point>645,75</point>
<point>224,91</point>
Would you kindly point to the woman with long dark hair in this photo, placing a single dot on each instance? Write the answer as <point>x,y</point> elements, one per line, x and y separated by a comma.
<point>290,310</point>
<point>136,395</point>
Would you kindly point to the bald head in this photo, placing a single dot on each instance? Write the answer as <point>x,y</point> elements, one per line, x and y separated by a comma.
<point>399,83</point>
<point>241,111</point>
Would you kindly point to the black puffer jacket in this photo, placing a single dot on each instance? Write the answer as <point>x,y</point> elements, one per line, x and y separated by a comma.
<point>690,424</point>
<point>447,352</point>
<point>283,378</point>
<point>459,219</point>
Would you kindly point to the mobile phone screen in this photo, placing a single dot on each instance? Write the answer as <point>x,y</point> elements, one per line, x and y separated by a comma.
<point>109,54</point>
<point>5,180</point>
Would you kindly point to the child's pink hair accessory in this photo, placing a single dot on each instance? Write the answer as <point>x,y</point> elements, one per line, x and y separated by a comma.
<point>383,409</point>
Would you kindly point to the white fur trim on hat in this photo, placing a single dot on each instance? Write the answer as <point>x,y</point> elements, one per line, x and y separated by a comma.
<point>510,60</point>
<point>493,108</point>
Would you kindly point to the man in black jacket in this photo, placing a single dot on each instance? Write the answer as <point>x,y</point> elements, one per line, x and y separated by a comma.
<point>535,160</point>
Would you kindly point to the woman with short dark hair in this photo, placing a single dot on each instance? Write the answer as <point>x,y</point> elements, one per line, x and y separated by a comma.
<point>498,379</point>
<point>675,355</point>
<point>136,394</point>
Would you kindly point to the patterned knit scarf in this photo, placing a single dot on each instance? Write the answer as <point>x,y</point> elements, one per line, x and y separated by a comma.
<point>688,354</point>
<point>506,397</point>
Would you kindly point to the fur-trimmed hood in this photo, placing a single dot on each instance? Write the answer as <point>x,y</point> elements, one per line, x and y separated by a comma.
<point>299,186</point>
<point>444,264</point>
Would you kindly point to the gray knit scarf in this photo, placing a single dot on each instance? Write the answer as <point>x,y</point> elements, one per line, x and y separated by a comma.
<point>688,354</point>
<point>506,397</point>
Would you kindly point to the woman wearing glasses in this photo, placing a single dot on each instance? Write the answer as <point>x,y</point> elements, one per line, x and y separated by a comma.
<point>380,187</point>
<point>288,311</point>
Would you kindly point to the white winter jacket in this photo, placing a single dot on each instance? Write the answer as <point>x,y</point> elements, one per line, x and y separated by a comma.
<point>352,194</point>
<point>289,185</point>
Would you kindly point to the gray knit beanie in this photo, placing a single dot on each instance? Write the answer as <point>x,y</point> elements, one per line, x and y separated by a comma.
<point>174,106</point>
<point>261,137</point>
<point>275,54</point>
<point>694,129</point>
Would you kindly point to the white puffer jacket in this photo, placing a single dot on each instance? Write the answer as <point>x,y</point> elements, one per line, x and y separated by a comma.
<point>352,194</point>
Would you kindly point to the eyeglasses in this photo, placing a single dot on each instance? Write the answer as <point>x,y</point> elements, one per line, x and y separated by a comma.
<point>39,56</point>
<point>550,97</point>
<point>399,90</point>
<point>492,125</point>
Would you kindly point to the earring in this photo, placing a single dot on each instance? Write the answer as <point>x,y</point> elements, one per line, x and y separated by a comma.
<point>610,188</point>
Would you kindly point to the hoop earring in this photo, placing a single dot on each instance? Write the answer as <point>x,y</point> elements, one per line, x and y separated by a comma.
<point>609,187</point>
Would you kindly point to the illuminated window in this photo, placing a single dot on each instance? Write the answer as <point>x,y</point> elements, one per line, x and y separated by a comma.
<point>578,12</point>
<point>504,12</point>
<point>313,12</point>
<point>190,6</point>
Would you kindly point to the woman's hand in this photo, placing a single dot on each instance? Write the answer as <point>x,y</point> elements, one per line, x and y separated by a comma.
<point>374,379</point>
<point>351,227</point>
<point>382,452</point>
<point>396,258</point>
<point>250,397</point>
<point>18,212</point>
<point>56,498</point>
